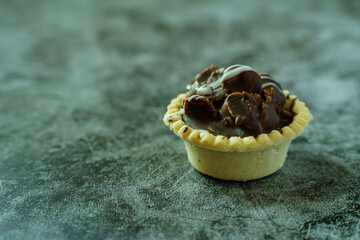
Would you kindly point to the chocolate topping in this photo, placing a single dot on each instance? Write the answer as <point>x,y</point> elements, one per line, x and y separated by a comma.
<point>200,108</point>
<point>248,81</point>
<point>235,101</point>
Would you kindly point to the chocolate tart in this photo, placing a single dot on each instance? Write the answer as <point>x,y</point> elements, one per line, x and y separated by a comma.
<point>236,124</point>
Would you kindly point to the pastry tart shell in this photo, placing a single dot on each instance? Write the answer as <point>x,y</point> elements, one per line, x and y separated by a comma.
<point>237,158</point>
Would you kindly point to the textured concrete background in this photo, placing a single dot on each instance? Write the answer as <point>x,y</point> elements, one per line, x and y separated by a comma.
<point>85,84</point>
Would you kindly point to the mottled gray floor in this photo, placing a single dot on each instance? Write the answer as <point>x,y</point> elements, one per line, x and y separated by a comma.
<point>83,89</point>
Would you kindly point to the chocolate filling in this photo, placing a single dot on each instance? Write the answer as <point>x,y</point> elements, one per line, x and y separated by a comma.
<point>236,101</point>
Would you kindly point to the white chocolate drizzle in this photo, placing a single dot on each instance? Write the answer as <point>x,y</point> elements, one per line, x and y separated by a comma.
<point>232,67</point>
<point>235,70</point>
<point>194,97</point>
<point>270,82</point>
<point>205,90</point>
<point>266,77</point>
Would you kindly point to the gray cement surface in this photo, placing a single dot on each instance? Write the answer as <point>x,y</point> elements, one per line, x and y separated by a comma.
<point>83,89</point>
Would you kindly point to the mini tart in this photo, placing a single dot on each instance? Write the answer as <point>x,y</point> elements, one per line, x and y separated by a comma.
<point>237,158</point>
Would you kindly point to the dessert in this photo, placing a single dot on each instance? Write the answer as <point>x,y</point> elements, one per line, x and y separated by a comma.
<point>237,124</point>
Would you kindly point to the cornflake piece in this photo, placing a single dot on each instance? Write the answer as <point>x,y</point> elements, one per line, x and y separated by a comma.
<point>269,116</point>
<point>204,75</point>
<point>244,108</point>
<point>277,94</point>
<point>213,76</point>
<point>199,107</point>
<point>201,79</point>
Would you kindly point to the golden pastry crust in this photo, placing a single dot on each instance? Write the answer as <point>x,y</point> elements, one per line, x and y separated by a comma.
<point>238,166</point>
<point>173,119</point>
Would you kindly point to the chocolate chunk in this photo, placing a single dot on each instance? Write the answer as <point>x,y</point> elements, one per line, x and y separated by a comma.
<point>201,78</point>
<point>248,81</point>
<point>266,78</point>
<point>199,107</point>
<point>204,75</point>
<point>276,94</point>
<point>266,93</point>
<point>269,83</point>
<point>244,108</point>
<point>269,116</point>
